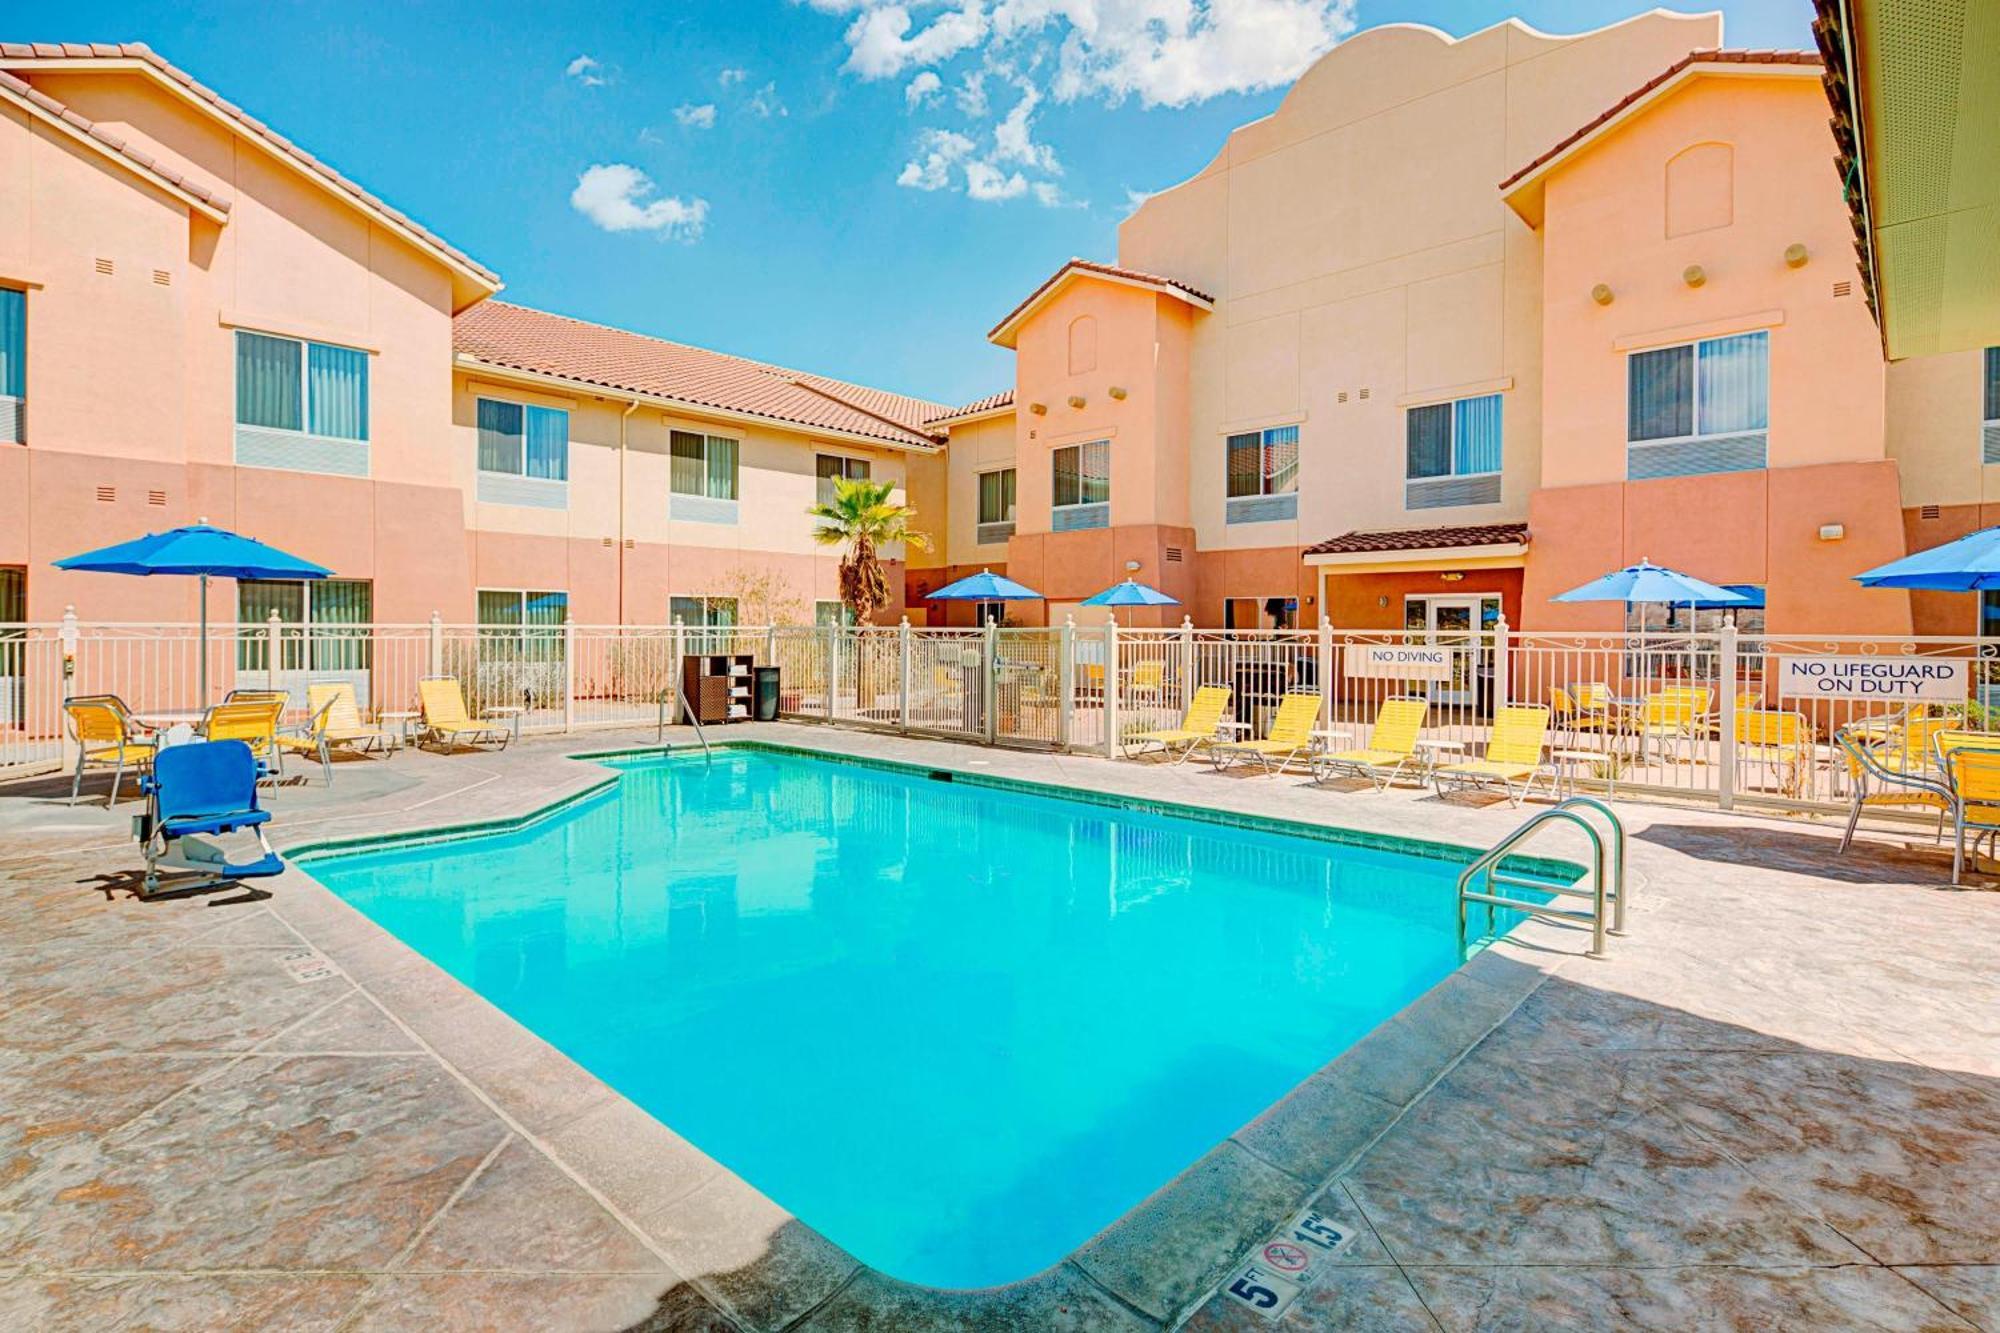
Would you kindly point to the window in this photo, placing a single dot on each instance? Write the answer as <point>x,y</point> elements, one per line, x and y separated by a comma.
<point>1698,407</point>
<point>517,624</point>
<point>716,614</point>
<point>1452,453</point>
<point>1697,661</point>
<point>301,405</point>
<point>324,624</point>
<point>989,613</point>
<point>832,467</point>
<point>520,440</point>
<point>1263,475</point>
<point>1989,430</point>
<point>1260,613</point>
<point>13,365</point>
<point>833,613</point>
<point>996,506</point>
<point>1082,490</point>
<point>702,477</point>
<point>1989,614</point>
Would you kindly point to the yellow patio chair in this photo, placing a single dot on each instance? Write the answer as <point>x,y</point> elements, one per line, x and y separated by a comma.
<point>252,719</point>
<point>1197,728</point>
<point>1673,714</point>
<point>1148,679</point>
<point>1579,711</point>
<point>1291,735</point>
<point>106,734</point>
<point>1973,770</point>
<point>1876,785</point>
<point>446,720</point>
<point>336,721</point>
<point>1391,745</point>
<point>1775,739</point>
<point>1513,755</point>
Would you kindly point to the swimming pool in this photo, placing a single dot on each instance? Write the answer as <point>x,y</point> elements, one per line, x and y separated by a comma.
<point>958,1029</point>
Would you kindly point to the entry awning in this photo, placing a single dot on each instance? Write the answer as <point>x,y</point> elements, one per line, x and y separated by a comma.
<point>1485,545</point>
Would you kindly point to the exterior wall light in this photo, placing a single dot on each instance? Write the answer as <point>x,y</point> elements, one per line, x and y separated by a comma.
<point>1601,293</point>
<point>1832,532</point>
<point>1117,391</point>
<point>1693,275</point>
<point>1796,255</point>
<point>1039,409</point>
<point>1452,576</point>
<point>1076,400</point>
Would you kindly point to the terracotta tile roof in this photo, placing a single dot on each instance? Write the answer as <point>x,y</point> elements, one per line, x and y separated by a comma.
<point>23,55</point>
<point>1104,270</point>
<point>992,402</point>
<point>519,338</point>
<point>1708,57</point>
<point>1423,539</point>
<point>111,142</point>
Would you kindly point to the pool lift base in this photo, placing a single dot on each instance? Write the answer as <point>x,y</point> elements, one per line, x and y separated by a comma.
<point>1606,876</point>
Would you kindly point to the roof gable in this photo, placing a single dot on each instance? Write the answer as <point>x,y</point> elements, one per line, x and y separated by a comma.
<point>1082,269</point>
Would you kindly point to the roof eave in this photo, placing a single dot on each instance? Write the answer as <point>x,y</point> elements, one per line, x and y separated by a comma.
<point>1432,554</point>
<point>1003,333</point>
<point>469,362</point>
<point>967,418</point>
<point>213,212</point>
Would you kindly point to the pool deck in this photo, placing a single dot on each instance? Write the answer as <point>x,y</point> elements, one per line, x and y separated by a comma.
<point>1776,1104</point>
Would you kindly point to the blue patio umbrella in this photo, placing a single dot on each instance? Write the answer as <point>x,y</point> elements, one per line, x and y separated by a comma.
<point>1646,583</point>
<point>1131,593</point>
<point>985,586</point>
<point>199,550</point>
<point>1970,564</point>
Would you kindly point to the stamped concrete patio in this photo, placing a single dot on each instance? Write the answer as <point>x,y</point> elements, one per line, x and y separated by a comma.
<point>1776,1105</point>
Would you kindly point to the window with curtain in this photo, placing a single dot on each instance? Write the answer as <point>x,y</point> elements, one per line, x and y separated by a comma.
<point>1455,439</point>
<point>1719,386</point>
<point>1263,462</point>
<point>288,384</point>
<point>1989,614</point>
<point>715,614</point>
<point>522,622</point>
<point>834,467</point>
<point>520,440</point>
<point>13,361</point>
<point>832,613</point>
<point>702,465</point>
<point>1082,474</point>
<point>1992,385</point>
<point>996,496</point>
<point>325,623</point>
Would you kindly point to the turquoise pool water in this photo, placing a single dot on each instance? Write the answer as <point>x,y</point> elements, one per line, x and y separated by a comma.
<point>956,1029</point>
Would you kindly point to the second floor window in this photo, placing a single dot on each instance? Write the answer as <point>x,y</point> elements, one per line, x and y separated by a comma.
<point>1263,475</point>
<point>1081,493</point>
<point>311,388</point>
<point>1989,431</point>
<point>834,467</point>
<point>1452,453</point>
<point>703,465</point>
<point>519,440</point>
<point>996,506</point>
<point>13,363</point>
<point>1698,407</point>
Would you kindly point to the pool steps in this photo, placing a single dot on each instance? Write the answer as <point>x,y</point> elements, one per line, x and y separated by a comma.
<point>1606,886</point>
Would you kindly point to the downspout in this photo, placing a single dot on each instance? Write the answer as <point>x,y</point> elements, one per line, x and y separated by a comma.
<point>623,417</point>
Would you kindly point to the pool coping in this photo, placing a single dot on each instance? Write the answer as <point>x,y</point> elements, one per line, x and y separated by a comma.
<point>1149,1268</point>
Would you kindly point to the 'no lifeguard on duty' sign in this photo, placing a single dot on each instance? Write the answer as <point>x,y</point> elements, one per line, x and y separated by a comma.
<point>1941,680</point>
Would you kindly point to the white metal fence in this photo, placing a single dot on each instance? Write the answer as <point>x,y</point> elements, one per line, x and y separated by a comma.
<point>1710,716</point>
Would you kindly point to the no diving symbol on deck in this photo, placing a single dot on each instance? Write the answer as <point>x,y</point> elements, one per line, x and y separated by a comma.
<point>1287,1258</point>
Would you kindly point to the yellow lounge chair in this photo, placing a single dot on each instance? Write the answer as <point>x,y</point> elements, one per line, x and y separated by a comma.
<point>1391,745</point>
<point>1513,755</point>
<point>1197,728</point>
<point>446,720</point>
<point>250,717</point>
<point>106,733</point>
<point>336,721</point>
<point>1291,736</point>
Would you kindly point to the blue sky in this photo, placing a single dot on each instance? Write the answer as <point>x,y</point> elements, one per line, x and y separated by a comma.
<point>855,187</point>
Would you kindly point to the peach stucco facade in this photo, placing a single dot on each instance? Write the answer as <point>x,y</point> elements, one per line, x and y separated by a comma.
<point>1473,237</point>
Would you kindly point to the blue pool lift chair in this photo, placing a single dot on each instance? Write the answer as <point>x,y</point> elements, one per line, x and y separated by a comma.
<point>207,787</point>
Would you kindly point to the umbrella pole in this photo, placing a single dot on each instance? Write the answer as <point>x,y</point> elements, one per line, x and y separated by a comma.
<point>202,648</point>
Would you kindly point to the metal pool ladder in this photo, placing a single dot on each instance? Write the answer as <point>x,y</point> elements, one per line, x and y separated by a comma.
<point>660,731</point>
<point>1607,875</point>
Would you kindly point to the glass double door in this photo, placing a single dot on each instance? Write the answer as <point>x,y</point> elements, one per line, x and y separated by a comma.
<point>1464,624</point>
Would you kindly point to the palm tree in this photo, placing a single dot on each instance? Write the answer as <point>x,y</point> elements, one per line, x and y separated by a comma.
<point>862,517</point>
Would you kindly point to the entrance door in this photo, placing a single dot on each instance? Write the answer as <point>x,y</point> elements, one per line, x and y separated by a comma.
<point>1455,621</point>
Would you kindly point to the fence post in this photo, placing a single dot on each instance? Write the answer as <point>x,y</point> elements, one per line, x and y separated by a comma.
<point>1110,686</point>
<point>989,694</point>
<point>1501,665</point>
<point>1187,662</point>
<point>770,645</point>
<point>833,633</point>
<point>677,673</point>
<point>569,675</point>
<point>272,642</point>
<point>437,645</point>
<point>1725,671</point>
<point>903,676</point>
<point>1065,679</point>
<point>1325,674</point>
<point>68,636</point>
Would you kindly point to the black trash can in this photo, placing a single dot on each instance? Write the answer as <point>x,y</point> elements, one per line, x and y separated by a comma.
<point>767,693</point>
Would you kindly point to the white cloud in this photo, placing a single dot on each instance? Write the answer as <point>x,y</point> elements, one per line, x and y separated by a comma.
<point>938,151</point>
<point>1134,198</point>
<point>586,71</point>
<point>732,75</point>
<point>649,135</point>
<point>1177,52</point>
<point>1013,137</point>
<point>987,183</point>
<point>971,94</point>
<point>880,46</point>
<point>765,103</point>
<point>617,197</point>
<point>695,117</point>
<point>922,89</point>
<point>1048,194</point>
